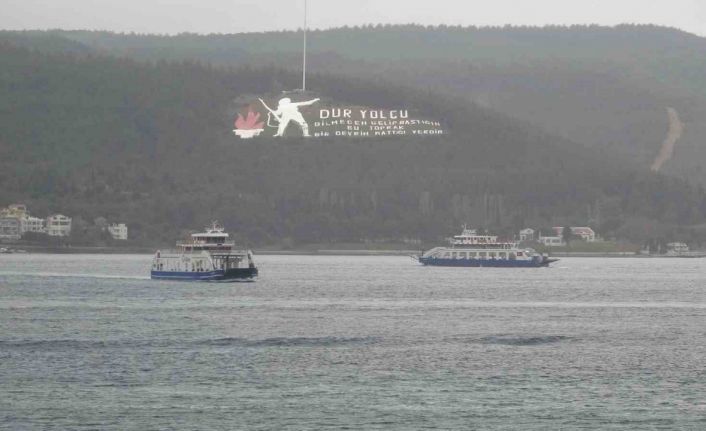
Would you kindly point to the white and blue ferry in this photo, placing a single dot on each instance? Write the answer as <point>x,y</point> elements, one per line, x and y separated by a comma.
<point>207,256</point>
<point>473,250</point>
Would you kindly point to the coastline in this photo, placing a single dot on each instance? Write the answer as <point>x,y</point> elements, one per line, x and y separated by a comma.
<point>45,249</point>
<point>312,252</point>
<point>341,250</point>
<point>265,251</point>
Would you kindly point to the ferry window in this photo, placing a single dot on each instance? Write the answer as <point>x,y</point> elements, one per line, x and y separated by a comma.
<point>492,255</point>
<point>513,256</point>
<point>483,254</point>
<point>502,255</point>
<point>462,255</point>
<point>453,255</point>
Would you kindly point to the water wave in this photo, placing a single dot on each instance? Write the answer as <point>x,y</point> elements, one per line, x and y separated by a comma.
<point>74,275</point>
<point>511,339</point>
<point>55,344</point>
<point>217,342</point>
<point>290,342</point>
<point>518,340</point>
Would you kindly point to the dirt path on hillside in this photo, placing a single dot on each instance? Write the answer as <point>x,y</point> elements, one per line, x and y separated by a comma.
<point>676,128</point>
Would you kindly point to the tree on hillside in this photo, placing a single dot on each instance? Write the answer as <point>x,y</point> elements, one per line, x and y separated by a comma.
<point>567,235</point>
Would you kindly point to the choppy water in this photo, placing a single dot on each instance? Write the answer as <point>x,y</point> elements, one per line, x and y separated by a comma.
<point>88,342</point>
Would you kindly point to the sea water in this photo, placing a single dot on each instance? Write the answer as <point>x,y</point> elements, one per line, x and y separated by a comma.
<point>342,342</point>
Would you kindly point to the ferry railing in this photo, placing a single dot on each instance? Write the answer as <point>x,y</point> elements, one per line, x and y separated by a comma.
<point>213,253</point>
<point>204,243</point>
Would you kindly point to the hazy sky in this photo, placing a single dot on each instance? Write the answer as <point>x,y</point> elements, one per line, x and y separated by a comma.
<point>232,16</point>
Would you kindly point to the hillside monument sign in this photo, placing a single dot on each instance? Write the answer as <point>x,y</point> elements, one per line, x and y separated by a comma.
<point>301,116</point>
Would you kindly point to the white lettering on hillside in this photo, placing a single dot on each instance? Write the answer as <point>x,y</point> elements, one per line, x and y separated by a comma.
<point>361,122</point>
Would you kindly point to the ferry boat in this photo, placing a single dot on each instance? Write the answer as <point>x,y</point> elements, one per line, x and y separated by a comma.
<point>473,250</point>
<point>208,256</point>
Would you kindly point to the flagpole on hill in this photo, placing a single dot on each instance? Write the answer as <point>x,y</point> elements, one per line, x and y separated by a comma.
<point>304,51</point>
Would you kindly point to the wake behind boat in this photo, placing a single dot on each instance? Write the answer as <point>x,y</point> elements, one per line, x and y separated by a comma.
<point>208,256</point>
<point>472,250</point>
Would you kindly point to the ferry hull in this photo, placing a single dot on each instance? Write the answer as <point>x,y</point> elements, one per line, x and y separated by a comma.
<point>486,263</point>
<point>233,274</point>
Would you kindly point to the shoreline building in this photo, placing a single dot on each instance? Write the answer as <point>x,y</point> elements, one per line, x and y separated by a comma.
<point>583,232</point>
<point>527,234</point>
<point>27,222</point>
<point>14,210</point>
<point>551,241</point>
<point>677,248</point>
<point>10,228</point>
<point>58,225</point>
<point>118,231</point>
<point>32,224</point>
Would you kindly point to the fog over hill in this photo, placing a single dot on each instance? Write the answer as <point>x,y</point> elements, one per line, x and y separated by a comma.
<point>138,128</point>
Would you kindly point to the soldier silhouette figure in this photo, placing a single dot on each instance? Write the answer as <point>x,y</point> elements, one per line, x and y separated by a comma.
<point>288,111</point>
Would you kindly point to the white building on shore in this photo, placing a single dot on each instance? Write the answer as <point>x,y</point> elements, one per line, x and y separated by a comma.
<point>557,239</point>
<point>23,219</point>
<point>527,234</point>
<point>15,210</point>
<point>58,225</point>
<point>9,228</point>
<point>118,231</point>
<point>585,233</point>
<point>551,241</point>
<point>32,224</point>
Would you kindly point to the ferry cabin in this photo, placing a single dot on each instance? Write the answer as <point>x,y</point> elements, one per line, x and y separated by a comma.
<point>490,255</point>
<point>494,253</point>
<point>212,240</point>
<point>200,262</point>
<point>472,246</point>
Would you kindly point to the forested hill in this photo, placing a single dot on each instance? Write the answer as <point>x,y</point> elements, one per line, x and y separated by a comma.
<point>603,87</point>
<point>151,144</point>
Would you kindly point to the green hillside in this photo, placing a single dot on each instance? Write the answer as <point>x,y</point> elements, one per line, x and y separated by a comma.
<point>151,144</point>
<point>603,87</point>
